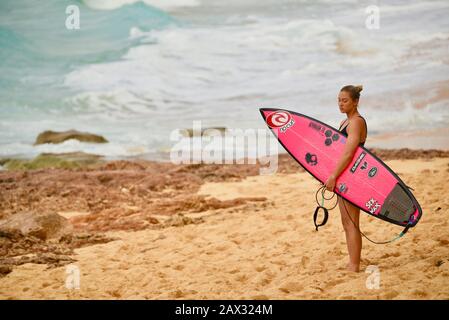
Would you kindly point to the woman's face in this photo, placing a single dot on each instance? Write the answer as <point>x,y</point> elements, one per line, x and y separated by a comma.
<point>345,102</point>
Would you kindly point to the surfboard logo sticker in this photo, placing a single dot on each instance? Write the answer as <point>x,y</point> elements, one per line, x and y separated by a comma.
<point>372,205</point>
<point>358,161</point>
<point>315,126</point>
<point>372,172</point>
<point>343,188</point>
<point>364,166</point>
<point>311,159</point>
<point>330,137</point>
<point>280,119</point>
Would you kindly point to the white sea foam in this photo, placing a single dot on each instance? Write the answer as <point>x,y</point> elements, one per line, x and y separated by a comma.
<point>162,4</point>
<point>111,149</point>
<point>412,7</point>
<point>226,59</point>
<point>268,61</point>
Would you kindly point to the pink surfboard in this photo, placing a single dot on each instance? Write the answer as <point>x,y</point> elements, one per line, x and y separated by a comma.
<point>367,182</point>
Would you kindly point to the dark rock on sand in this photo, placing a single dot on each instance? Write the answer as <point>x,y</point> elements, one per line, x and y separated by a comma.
<point>4,270</point>
<point>58,137</point>
<point>41,226</point>
<point>17,248</point>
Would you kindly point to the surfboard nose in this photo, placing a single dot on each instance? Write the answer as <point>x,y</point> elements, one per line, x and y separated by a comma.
<point>264,112</point>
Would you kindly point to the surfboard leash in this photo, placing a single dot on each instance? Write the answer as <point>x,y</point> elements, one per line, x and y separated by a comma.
<point>322,207</point>
<point>326,216</point>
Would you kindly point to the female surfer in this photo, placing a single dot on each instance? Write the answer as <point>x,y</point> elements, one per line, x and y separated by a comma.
<point>355,129</point>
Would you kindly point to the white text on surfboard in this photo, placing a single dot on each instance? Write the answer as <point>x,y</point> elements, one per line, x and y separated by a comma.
<point>288,125</point>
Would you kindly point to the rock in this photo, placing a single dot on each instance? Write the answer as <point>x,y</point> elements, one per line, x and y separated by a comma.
<point>204,131</point>
<point>68,160</point>
<point>179,220</point>
<point>124,190</point>
<point>152,220</point>
<point>82,240</point>
<point>78,156</point>
<point>4,270</point>
<point>43,226</point>
<point>58,137</point>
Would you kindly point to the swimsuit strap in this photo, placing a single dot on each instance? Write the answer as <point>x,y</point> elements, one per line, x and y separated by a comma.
<point>365,125</point>
<point>348,124</point>
<point>342,124</point>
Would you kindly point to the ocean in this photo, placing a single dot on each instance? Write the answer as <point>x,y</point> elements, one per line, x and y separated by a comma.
<point>136,71</point>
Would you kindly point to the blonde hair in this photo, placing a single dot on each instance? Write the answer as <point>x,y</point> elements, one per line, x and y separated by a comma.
<point>354,91</point>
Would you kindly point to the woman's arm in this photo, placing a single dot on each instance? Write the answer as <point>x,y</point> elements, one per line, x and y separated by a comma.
<point>352,142</point>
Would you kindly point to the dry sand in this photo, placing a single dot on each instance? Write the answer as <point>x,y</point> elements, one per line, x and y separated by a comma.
<point>261,250</point>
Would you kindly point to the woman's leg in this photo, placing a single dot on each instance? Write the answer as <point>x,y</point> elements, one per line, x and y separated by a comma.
<point>353,237</point>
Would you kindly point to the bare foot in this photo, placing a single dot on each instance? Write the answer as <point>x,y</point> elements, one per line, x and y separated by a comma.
<point>353,267</point>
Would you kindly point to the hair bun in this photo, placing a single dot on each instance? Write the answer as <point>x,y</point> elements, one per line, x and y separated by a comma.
<point>354,91</point>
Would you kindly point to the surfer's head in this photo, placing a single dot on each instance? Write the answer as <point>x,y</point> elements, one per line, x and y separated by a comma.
<point>348,98</point>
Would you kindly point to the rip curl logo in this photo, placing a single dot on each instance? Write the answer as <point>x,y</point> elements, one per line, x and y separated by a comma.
<point>280,119</point>
<point>372,205</point>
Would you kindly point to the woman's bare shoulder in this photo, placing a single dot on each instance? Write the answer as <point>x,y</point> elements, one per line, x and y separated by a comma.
<point>356,124</point>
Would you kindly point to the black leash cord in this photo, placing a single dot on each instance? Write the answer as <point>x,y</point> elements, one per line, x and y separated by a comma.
<point>322,207</point>
<point>323,190</point>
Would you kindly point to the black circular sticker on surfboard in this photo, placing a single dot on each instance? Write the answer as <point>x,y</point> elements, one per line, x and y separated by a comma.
<point>372,172</point>
<point>311,159</point>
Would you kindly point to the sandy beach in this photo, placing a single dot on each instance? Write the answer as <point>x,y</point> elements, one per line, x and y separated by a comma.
<point>219,232</point>
<point>100,101</point>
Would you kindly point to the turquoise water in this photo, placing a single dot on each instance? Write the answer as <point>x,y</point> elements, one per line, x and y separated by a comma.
<point>38,50</point>
<point>137,70</point>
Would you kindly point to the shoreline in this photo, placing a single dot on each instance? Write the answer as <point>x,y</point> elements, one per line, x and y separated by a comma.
<point>419,139</point>
<point>80,160</point>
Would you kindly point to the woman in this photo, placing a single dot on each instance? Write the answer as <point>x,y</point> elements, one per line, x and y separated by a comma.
<point>355,129</point>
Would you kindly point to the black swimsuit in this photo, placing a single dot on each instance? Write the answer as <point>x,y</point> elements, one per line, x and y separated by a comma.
<point>345,133</point>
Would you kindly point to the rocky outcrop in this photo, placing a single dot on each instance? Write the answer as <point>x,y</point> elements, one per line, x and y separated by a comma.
<point>58,137</point>
<point>42,226</point>
<point>68,160</point>
<point>17,249</point>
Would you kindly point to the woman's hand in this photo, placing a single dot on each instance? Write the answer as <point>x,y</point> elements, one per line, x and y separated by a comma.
<point>330,183</point>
